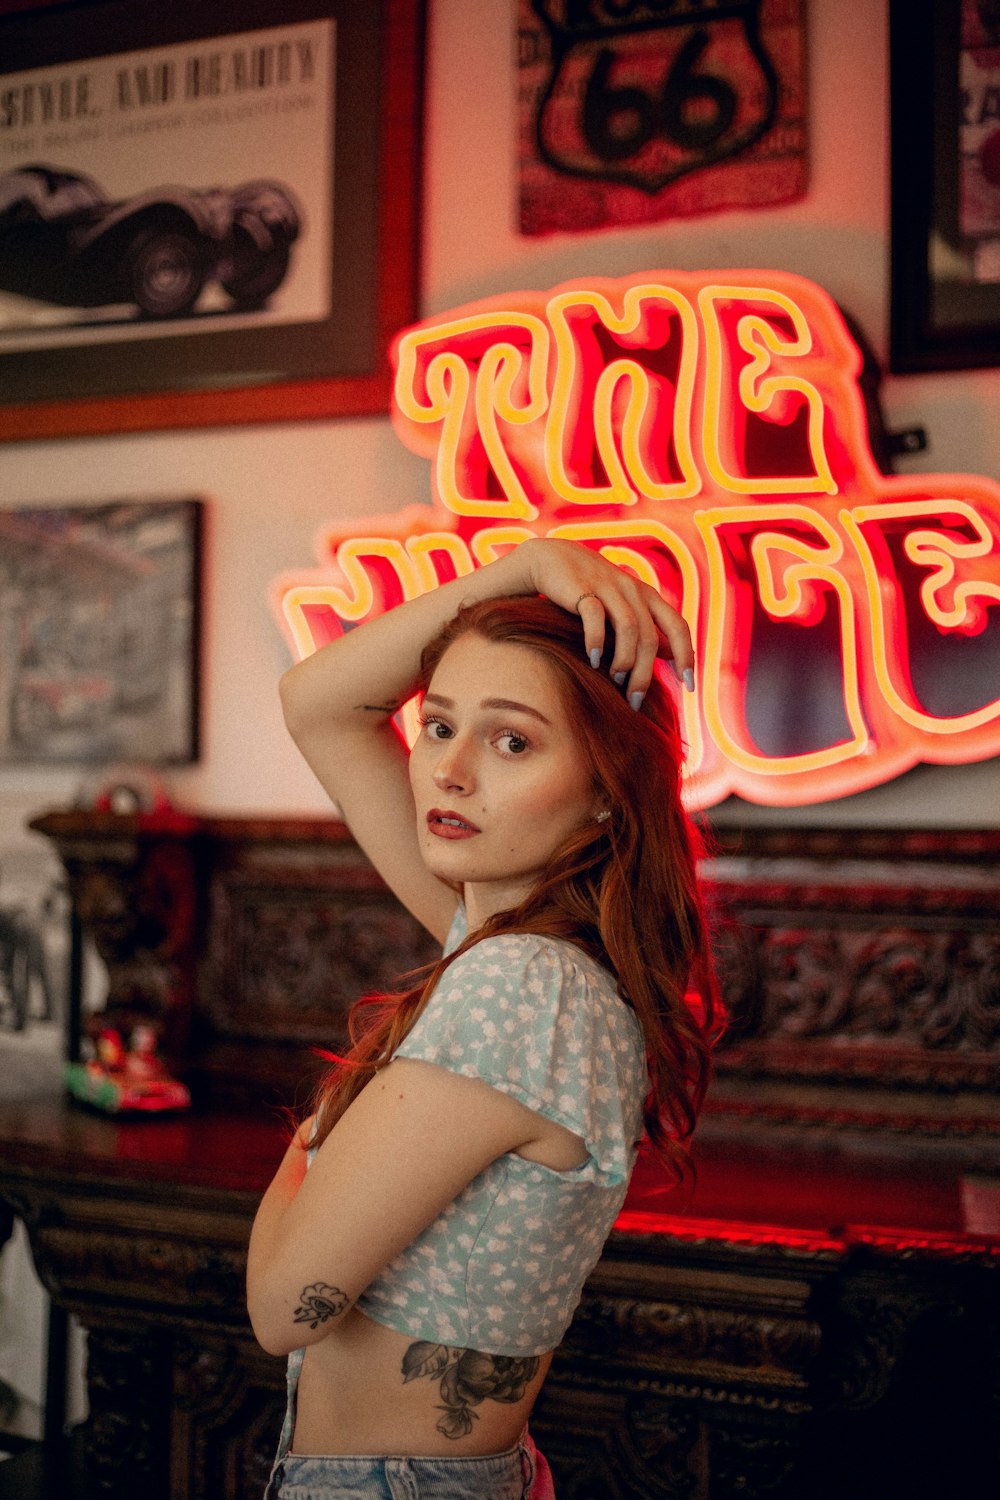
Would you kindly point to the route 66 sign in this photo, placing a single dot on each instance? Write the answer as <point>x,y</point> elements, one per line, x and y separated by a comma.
<point>644,93</point>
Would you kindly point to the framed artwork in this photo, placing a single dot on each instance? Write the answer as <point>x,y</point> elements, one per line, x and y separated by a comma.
<point>638,114</point>
<point>945,91</point>
<point>99,633</point>
<point>208,212</point>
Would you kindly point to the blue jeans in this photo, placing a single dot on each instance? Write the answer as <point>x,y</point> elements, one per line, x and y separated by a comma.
<point>519,1474</point>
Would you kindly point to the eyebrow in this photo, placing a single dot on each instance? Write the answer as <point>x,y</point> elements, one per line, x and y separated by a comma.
<point>509,704</point>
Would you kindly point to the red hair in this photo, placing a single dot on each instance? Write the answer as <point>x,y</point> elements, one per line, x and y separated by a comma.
<point>625,890</point>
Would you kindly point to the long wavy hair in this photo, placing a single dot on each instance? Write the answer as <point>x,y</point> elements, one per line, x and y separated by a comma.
<point>625,890</point>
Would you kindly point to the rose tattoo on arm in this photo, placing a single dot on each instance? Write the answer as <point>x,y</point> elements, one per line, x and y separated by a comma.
<point>467,1378</point>
<point>319,1302</point>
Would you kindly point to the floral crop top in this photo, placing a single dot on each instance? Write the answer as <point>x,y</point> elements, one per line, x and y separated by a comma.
<point>502,1269</point>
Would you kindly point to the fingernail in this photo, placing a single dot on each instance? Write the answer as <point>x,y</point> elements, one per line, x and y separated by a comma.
<point>635,699</point>
<point>689,679</point>
<point>595,657</point>
<point>620,677</point>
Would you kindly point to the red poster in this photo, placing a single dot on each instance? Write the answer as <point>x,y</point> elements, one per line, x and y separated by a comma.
<point>631,111</point>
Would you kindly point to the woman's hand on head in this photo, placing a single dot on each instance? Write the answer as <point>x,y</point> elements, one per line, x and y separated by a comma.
<point>645,625</point>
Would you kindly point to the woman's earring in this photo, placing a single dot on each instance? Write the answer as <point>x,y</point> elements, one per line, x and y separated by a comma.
<point>603,816</point>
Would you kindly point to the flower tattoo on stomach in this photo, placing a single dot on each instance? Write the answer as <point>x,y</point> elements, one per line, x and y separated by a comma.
<point>319,1303</point>
<point>466,1378</point>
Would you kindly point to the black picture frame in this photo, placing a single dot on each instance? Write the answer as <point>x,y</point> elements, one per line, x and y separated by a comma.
<point>325,366</point>
<point>941,316</point>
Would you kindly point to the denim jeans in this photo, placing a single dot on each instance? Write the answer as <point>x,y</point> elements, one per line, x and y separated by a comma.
<point>519,1474</point>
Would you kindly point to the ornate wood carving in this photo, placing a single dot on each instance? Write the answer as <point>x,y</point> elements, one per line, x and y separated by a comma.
<point>750,1460</point>
<point>930,992</point>
<point>228,1407</point>
<point>288,959</point>
<point>848,958</point>
<point>859,959</point>
<point>148,1268</point>
<point>128,1427</point>
<point>667,1444</point>
<point>750,1345</point>
<point>877,1323</point>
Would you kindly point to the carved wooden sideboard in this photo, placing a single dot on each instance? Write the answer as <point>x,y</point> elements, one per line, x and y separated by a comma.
<point>817,1317</point>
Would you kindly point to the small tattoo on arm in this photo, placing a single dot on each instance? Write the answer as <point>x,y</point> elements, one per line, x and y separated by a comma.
<point>377,708</point>
<point>465,1378</point>
<point>319,1302</point>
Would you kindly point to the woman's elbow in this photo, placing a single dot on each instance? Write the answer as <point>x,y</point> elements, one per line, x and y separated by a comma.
<point>273,1326</point>
<point>279,1330</point>
<point>276,1333</point>
<point>269,1341</point>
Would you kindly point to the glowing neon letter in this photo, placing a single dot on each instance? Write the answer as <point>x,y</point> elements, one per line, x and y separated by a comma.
<point>706,431</point>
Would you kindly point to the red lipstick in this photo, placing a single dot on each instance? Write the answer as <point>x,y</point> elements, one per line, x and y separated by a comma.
<point>450,825</point>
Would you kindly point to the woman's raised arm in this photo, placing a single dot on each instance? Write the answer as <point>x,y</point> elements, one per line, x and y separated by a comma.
<point>339,703</point>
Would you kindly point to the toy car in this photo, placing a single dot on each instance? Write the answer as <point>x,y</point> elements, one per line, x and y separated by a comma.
<point>122,1081</point>
<point>63,241</point>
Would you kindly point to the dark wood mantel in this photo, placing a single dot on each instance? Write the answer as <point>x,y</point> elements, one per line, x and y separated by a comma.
<point>817,1317</point>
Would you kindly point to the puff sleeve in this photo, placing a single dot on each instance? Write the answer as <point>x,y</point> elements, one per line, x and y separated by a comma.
<point>539,1020</point>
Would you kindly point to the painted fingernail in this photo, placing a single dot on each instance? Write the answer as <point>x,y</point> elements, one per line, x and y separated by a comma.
<point>689,679</point>
<point>595,656</point>
<point>635,699</point>
<point>620,677</point>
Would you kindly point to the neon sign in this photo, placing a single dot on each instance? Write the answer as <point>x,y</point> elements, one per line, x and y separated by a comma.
<point>707,432</point>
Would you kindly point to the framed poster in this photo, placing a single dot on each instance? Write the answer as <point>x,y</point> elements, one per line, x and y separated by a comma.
<point>636,114</point>
<point>945,90</point>
<point>99,633</point>
<point>207,213</point>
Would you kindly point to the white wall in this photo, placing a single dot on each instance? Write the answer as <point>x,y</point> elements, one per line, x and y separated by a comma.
<point>271,487</point>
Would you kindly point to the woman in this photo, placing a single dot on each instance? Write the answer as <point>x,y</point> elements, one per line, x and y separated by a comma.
<point>467,1162</point>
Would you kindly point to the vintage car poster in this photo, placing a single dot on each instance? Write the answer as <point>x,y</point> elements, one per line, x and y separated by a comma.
<point>634,113</point>
<point>143,191</point>
<point>192,204</point>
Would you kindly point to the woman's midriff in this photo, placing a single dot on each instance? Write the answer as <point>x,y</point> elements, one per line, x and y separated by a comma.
<point>367,1389</point>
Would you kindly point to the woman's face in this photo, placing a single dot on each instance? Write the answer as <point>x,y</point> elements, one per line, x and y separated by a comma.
<point>498,779</point>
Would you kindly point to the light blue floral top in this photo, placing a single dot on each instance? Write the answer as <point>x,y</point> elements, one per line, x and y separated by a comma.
<point>502,1269</point>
